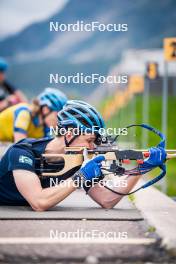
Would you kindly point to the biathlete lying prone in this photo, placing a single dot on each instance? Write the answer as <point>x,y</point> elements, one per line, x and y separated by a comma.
<point>19,180</point>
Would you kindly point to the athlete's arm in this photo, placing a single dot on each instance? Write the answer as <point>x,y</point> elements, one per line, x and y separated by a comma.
<point>21,124</point>
<point>22,165</point>
<point>41,199</point>
<point>108,199</point>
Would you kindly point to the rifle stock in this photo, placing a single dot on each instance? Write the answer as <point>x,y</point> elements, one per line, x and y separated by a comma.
<point>74,157</point>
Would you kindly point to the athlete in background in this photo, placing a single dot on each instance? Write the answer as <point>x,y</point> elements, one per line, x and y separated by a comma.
<point>31,120</point>
<point>9,95</point>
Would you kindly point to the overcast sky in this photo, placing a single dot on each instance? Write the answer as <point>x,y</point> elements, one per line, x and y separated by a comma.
<point>17,14</point>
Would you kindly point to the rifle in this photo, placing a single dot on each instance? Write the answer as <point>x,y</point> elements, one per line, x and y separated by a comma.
<point>58,164</point>
<point>54,165</point>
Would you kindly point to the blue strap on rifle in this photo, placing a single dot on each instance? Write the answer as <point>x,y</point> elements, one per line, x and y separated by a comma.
<point>162,145</point>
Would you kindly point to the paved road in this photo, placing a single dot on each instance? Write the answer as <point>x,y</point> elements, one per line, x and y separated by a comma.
<point>31,241</point>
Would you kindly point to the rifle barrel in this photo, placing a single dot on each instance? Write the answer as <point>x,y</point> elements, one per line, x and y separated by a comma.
<point>171,156</point>
<point>167,150</point>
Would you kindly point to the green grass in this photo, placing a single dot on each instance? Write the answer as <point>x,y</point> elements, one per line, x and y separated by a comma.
<point>132,113</point>
<point>131,197</point>
<point>151,229</point>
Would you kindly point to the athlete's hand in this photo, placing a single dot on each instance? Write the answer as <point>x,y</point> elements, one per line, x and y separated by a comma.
<point>157,158</point>
<point>92,168</point>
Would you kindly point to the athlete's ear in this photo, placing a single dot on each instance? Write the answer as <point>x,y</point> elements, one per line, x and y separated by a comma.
<point>45,110</point>
<point>69,135</point>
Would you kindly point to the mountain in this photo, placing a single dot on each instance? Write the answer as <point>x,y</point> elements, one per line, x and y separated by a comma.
<point>36,52</point>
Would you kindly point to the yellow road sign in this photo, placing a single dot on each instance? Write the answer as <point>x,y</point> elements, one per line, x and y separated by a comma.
<point>136,84</point>
<point>152,70</point>
<point>170,49</point>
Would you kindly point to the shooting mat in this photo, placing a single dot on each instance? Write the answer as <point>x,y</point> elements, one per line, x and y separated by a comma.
<point>77,206</point>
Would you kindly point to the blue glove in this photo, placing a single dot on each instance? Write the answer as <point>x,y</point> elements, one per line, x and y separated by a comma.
<point>92,168</point>
<point>157,158</point>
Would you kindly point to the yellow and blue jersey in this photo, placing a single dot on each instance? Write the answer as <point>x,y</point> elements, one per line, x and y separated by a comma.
<point>18,118</point>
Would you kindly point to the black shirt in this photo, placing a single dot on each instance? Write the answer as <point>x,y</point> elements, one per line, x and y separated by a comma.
<point>22,155</point>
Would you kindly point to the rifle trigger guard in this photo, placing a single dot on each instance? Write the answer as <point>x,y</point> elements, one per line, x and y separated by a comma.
<point>116,169</point>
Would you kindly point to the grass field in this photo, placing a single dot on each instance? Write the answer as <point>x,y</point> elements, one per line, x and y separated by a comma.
<point>132,113</point>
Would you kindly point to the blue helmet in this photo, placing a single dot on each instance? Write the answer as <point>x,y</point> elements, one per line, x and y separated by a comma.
<point>3,65</point>
<point>54,99</point>
<point>80,114</point>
